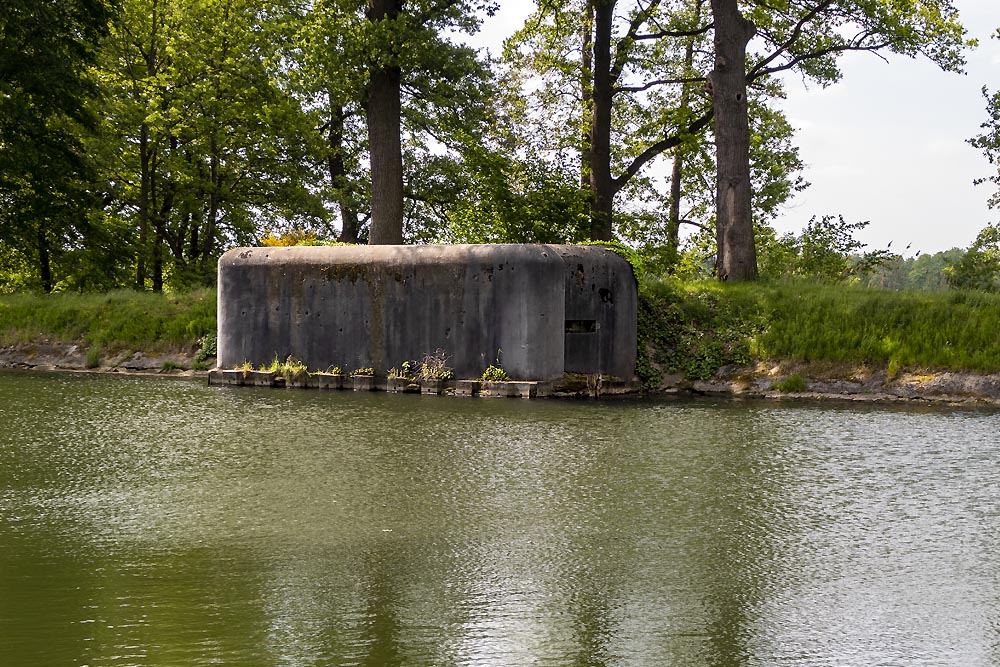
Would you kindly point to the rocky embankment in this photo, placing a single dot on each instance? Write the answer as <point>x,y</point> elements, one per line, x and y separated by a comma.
<point>47,356</point>
<point>824,382</point>
<point>783,381</point>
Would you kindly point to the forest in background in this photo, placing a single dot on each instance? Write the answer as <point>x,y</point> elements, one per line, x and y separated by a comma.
<point>140,139</point>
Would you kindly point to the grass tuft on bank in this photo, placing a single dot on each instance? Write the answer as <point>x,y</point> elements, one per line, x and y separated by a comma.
<point>694,329</point>
<point>112,321</point>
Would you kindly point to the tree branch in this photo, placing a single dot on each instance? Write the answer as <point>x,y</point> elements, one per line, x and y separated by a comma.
<point>675,33</point>
<point>660,146</point>
<point>625,43</point>
<point>695,224</point>
<point>796,32</point>
<point>841,48</point>
<point>658,82</point>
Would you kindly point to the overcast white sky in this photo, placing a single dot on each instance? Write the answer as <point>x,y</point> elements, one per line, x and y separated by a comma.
<point>887,143</point>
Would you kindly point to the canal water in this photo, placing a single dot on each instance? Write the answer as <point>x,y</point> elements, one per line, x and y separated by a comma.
<point>163,522</point>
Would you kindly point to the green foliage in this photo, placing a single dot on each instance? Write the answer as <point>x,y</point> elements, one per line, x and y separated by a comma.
<point>630,255</point>
<point>979,267</point>
<point>989,141</point>
<point>508,200</point>
<point>114,321</point>
<point>366,371</point>
<point>693,329</point>
<point>207,348</point>
<point>924,273</point>
<point>495,373</point>
<point>952,330</point>
<point>826,250</point>
<point>435,367</point>
<point>405,371</point>
<point>94,356</point>
<point>292,369</point>
<point>791,384</point>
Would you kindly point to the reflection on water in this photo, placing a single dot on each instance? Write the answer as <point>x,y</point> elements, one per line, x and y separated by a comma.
<point>153,522</point>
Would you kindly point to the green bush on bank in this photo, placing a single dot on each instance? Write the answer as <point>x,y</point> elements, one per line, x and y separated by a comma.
<point>696,328</point>
<point>113,321</point>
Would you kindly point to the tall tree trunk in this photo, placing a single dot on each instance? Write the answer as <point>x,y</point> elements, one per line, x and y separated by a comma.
<point>44,261</point>
<point>338,175</point>
<point>386,154</point>
<point>680,152</point>
<point>602,189</point>
<point>587,89</point>
<point>737,255</point>
<point>158,262</point>
<point>214,204</point>
<point>144,183</point>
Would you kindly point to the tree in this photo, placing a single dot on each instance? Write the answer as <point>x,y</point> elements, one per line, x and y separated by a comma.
<point>736,252</point>
<point>807,37</point>
<point>383,135</point>
<point>989,141</point>
<point>979,267</point>
<point>46,47</point>
<point>211,146</point>
<point>384,114</point>
<point>610,69</point>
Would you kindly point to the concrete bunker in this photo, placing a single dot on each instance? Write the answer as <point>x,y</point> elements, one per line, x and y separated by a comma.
<point>541,310</point>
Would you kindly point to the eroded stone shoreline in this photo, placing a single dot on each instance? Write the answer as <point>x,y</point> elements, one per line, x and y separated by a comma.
<point>821,382</point>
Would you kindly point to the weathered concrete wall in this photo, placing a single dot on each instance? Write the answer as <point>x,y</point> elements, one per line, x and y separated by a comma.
<point>601,311</point>
<point>378,306</point>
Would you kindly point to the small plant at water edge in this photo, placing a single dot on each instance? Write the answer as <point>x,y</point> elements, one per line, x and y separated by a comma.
<point>405,371</point>
<point>207,349</point>
<point>292,369</point>
<point>334,370</point>
<point>170,365</point>
<point>791,384</point>
<point>495,374</point>
<point>273,367</point>
<point>93,356</point>
<point>363,371</point>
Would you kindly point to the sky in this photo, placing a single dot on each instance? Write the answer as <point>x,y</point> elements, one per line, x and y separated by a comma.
<point>887,143</point>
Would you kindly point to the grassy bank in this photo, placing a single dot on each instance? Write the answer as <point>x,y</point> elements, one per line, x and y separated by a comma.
<point>690,329</point>
<point>110,322</point>
<point>694,329</point>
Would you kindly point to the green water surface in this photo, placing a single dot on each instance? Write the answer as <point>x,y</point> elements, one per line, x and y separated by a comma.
<point>162,522</point>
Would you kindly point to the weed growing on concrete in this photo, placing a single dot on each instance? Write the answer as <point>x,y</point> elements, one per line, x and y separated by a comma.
<point>405,371</point>
<point>435,367</point>
<point>170,365</point>
<point>495,374</point>
<point>292,369</point>
<point>368,371</point>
